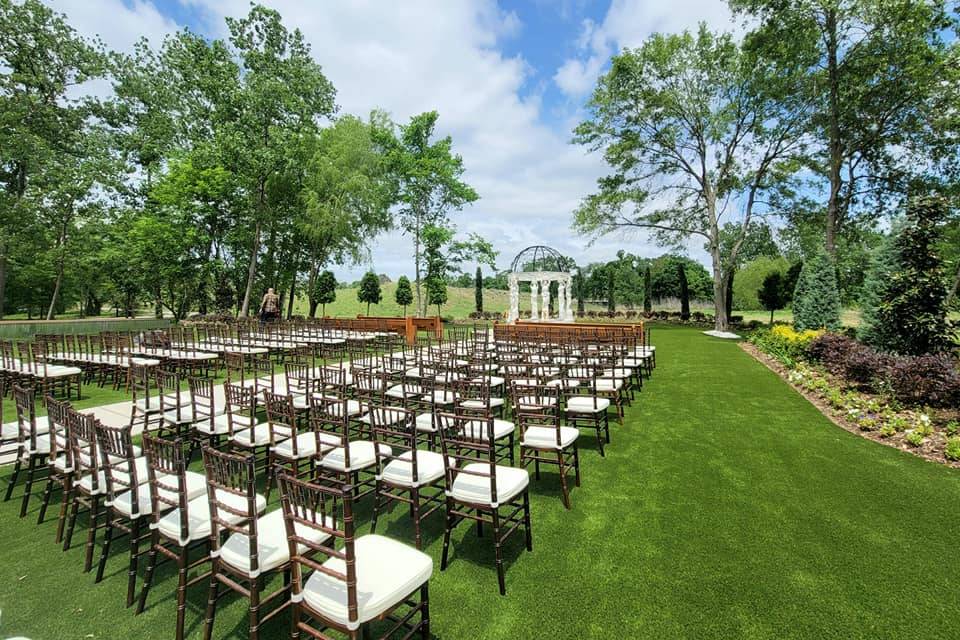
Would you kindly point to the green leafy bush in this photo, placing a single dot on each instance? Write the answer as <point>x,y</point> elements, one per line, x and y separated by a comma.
<point>952,452</point>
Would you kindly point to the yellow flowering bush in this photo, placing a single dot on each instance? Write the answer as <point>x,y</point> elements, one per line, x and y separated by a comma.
<point>784,343</point>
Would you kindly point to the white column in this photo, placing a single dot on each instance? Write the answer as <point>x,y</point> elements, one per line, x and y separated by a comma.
<point>533,300</point>
<point>545,295</point>
<point>514,312</point>
<point>562,299</point>
<point>569,304</point>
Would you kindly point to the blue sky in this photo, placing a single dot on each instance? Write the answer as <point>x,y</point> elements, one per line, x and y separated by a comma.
<point>509,80</point>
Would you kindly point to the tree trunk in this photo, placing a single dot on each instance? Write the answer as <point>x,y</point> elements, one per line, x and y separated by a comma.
<point>293,291</point>
<point>955,289</point>
<point>3,274</point>
<point>719,288</point>
<point>62,246</point>
<point>251,271</point>
<point>836,158</point>
<point>311,287</point>
<point>421,309</point>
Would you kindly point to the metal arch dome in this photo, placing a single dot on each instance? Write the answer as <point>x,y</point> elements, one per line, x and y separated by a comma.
<point>535,258</point>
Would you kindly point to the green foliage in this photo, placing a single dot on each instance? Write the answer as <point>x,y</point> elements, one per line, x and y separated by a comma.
<point>905,307</point>
<point>684,293</point>
<point>369,291</point>
<point>952,451</point>
<point>783,343</point>
<point>647,293</point>
<point>816,301</point>
<point>772,294</point>
<point>611,292</point>
<point>749,280</point>
<point>436,292</point>
<point>403,294</point>
<point>478,285</point>
<point>325,290</point>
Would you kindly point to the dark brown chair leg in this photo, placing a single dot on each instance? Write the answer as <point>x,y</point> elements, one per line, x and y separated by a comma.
<point>12,481</point>
<point>64,507</point>
<point>424,612</point>
<point>255,609</point>
<point>72,521</point>
<point>148,577</point>
<point>526,519</point>
<point>415,507</point>
<point>563,479</point>
<point>92,533</point>
<point>498,550</point>
<point>107,539</point>
<point>212,601</point>
<point>28,485</point>
<point>47,492</point>
<point>183,562</point>
<point>135,533</point>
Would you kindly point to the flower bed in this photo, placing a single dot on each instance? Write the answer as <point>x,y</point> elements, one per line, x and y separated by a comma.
<point>906,402</point>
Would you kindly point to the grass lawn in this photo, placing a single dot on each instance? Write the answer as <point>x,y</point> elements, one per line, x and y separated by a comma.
<point>727,507</point>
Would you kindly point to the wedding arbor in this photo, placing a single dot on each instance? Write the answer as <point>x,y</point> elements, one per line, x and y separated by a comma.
<point>533,265</point>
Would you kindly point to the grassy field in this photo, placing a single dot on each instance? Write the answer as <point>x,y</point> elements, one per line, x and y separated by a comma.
<point>727,507</point>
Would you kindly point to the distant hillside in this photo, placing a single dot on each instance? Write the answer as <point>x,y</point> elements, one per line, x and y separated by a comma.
<point>459,305</point>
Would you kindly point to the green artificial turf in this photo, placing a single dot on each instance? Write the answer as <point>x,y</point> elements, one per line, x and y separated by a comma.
<point>727,507</point>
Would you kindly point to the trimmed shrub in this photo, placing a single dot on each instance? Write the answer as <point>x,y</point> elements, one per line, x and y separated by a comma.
<point>816,300</point>
<point>952,452</point>
<point>932,379</point>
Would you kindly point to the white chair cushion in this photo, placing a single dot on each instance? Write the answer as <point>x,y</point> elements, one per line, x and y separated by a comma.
<point>587,404</point>
<point>387,572</point>
<point>399,471</point>
<point>306,447</point>
<point>272,548</point>
<point>609,384</point>
<point>196,485</point>
<point>475,489</point>
<point>221,426</point>
<point>198,517</point>
<point>362,455</point>
<point>546,437</point>
<point>10,430</point>
<point>425,423</point>
<point>477,429</point>
<point>256,437</point>
<point>480,404</point>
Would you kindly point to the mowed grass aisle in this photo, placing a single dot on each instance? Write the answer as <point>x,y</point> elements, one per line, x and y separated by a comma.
<point>727,507</point>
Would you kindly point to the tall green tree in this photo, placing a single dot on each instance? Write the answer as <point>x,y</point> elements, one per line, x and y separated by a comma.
<point>282,95</point>
<point>816,299</point>
<point>324,293</point>
<point>771,293</point>
<point>428,175</point>
<point>403,294</point>
<point>907,312</point>
<point>42,122</point>
<point>696,131</point>
<point>875,68</point>
<point>346,193</point>
<point>478,291</point>
<point>647,292</point>
<point>369,291</point>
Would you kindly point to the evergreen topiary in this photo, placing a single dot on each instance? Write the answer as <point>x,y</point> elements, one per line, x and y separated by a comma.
<point>404,294</point>
<point>647,290</point>
<point>369,291</point>
<point>771,294</point>
<point>875,328</point>
<point>324,292</point>
<point>478,291</point>
<point>913,302</point>
<point>684,292</point>
<point>816,300</point>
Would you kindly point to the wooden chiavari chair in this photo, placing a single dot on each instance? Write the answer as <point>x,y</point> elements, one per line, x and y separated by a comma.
<point>245,547</point>
<point>246,431</point>
<point>209,420</point>
<point>89,487</point>
<point>33,447</point>
<point>543,439</point>
<point>479,489</point>
<point>404,472</point>
<point>586,409</point>
<point>392,577</point>
<point>60,469</point>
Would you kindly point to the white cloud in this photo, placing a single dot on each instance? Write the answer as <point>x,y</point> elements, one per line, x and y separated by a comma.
<point>627,24</point>
<point>412,56</point>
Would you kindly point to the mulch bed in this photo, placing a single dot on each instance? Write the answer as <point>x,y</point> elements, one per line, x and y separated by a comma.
<point>931,449</point>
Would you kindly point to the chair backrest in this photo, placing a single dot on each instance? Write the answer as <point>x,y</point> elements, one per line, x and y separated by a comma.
<point>202,400</point>
<point>263,372</point>
<point>167,472</point>
<point>467,440</point>
<point>281,417</point>
<point>25,355</point>
<point>369,385</point>
<point>329,414</point>
<point>82,430</point>
<point>118,462</point>
<point>59,437</point>
<point>24,399</point>
<point>241,408</point>
<point>531,397</point>
<point>394,433</point>
<point>171,396</point>
<point>142,386</point>
<point>313,512</point>
<point>236,365</point>
<point>298,376</point>
<point>477,392</point>
<point>232,495</point>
